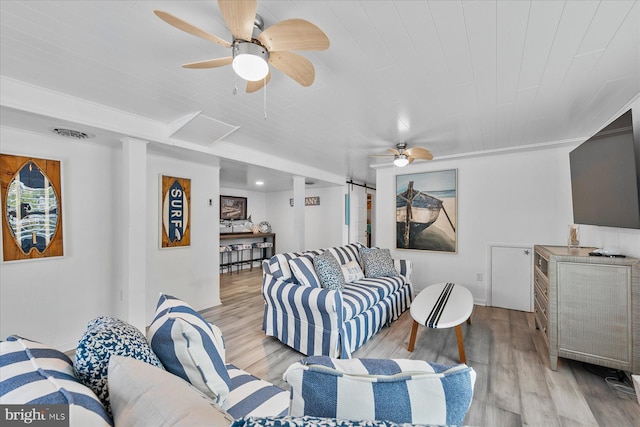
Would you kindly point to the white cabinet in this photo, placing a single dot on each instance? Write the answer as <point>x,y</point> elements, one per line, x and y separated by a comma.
<point>588,307</point>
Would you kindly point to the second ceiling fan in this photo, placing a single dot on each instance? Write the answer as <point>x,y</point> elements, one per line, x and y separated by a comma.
<point>254,48</point>
<point>402,155</point>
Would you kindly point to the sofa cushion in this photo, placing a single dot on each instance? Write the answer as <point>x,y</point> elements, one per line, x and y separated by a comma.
<point>142,394</point>
<point>190,347</point>
<point>105,337</point>
<point>363,294</point>
<point>303,271</point>
<point>279,265</point>
<point>377,262</point>
<point>36,374</point>
<point>359,389</point>
<point>251,396</point>
<point>328,271</point>
<point>352,271</point>
<point>347,253</point>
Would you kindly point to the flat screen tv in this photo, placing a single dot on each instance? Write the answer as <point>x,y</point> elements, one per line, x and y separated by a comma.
<point>605,177</point>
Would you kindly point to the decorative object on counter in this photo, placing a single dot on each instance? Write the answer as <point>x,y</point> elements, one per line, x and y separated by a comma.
<point>265,227</point>
<point>233,208</point>
<point>230,223</point>
<point>255,229</point>
<point>32,209</point>
<point>176,197</point>
<point>574,236</point>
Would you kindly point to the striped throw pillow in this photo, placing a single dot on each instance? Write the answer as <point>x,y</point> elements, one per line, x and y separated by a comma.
<point>35,374</point>
<point>397,390</point>
<point>304,271</point>
<point>190,347</point>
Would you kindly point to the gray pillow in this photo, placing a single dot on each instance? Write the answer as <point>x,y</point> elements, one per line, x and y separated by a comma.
<point>377,262</point>
<point>329,271</point>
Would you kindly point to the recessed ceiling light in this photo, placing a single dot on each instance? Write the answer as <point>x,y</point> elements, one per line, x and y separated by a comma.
<point>259,182</point>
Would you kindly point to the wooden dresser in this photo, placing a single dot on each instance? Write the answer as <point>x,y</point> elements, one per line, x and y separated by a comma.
<point>588,307</point>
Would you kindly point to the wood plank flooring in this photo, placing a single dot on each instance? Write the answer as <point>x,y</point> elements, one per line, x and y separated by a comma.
<point>515,385</point>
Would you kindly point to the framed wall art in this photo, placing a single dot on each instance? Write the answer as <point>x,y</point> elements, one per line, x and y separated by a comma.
<point>31,208</point>
<point>233,208</point>
<point>176,203</point>
<point>426,211</point>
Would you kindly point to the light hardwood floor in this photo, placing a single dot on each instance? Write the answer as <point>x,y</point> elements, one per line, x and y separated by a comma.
<point>515,385</point>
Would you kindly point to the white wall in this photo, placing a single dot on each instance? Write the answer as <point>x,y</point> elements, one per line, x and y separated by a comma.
<point>51,300</point>
<point>324,224</point>
<point>518,198</point>
<point>189,273</point>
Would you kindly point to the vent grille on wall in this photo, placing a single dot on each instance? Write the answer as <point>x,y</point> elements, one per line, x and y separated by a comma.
<point>71,133</point>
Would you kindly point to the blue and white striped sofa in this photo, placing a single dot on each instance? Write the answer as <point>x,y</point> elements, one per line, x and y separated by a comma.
<point>318,321</point>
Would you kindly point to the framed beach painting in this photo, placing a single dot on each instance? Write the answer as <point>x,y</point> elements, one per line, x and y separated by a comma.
<point>426,211</point>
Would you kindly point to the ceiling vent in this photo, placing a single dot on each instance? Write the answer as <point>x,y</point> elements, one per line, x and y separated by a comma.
<point>309,181</point>
<point>71,133</point>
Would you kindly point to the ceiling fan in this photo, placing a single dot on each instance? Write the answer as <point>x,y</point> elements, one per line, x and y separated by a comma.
<point>402,155</point>
<point>253,48</point>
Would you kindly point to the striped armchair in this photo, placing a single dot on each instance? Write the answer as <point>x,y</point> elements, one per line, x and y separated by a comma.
<point>319,321</point>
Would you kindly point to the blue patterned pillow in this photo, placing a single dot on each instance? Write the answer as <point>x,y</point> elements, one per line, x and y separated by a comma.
<point>190,347</point>
<point>329,271</point>
<point>377,262</point>
<point>105,337</point>
<point>289,421</point>
<point>423,393</point>
<point>36,374</point>
<point>304,271</point>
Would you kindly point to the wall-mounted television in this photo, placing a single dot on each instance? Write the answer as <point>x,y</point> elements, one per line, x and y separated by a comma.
<point>605,177</point>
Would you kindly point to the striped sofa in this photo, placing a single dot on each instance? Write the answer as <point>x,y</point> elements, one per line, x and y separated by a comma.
<point>319,321</point>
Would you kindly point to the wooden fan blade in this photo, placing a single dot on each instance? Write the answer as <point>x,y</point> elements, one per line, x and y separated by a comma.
<point>239,16</point>
<point>393,151</point>
<point>293,34</point>
<point>411,159</point>
<point>191,29</point>
<point>211,63</point>
<point>258,84</point>
<point>419,153</point>
<point>295,66</point>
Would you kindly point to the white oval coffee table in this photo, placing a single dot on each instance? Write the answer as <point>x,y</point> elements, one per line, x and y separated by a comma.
<point>443,305</point>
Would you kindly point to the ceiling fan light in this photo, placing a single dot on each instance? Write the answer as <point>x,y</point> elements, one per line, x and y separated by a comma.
<point>250,61</point>
<point>401,161</point>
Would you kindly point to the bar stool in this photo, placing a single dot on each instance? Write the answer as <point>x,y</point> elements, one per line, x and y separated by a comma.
<point>240,248</point>
<point>225,250</point>
<point>262,246</point>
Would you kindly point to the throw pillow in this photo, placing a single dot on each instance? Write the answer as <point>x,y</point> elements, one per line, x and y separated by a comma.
<point>352,271</point>
<point>304,271</point>
<point>105,337</point>
<point>36,374</point>
<point>359,389</point>
<point>189,347</point>
<point>143,395</point>
<point>377,262</point>
<point>289,421</point>
<point>329,271</point>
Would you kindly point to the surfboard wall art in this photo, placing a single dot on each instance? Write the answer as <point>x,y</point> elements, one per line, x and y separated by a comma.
<point>31,208</point>
<point>176,198</point>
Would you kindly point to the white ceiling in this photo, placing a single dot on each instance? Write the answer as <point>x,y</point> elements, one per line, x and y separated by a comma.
<point>453,76</point>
